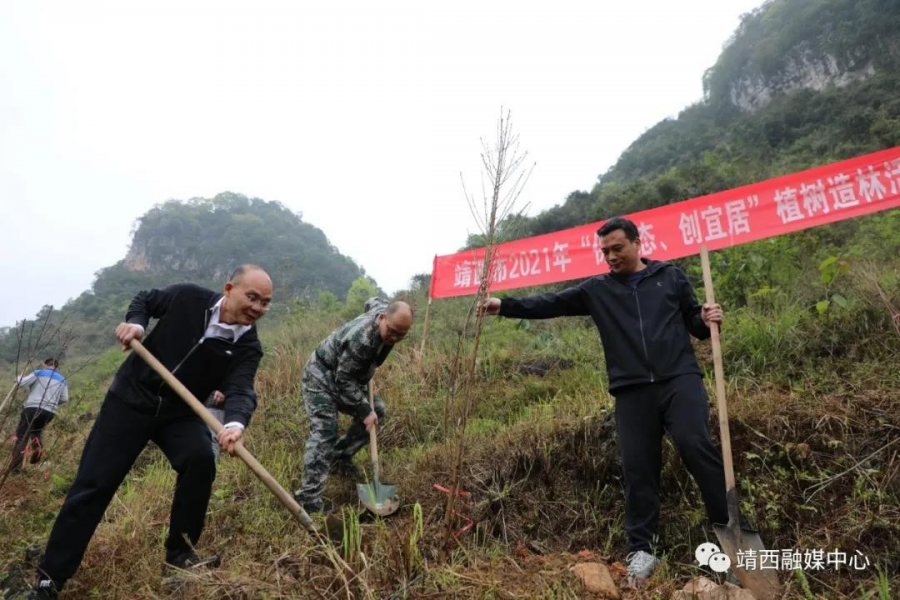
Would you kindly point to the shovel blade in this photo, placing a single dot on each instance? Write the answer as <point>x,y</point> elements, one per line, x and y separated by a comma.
<point>378,498</point>
<point>763,583</point>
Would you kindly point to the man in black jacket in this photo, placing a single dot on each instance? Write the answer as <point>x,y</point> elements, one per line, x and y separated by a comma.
<point>209,341</point>
<point>644,310</point>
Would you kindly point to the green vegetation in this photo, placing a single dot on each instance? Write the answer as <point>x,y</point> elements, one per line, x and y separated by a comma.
<point>812,358</point>
<point>814,403</point>
<point>714,146</point>
<point>771,37</point>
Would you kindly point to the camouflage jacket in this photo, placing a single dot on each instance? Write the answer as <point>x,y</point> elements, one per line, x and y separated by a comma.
<point>345,361</point>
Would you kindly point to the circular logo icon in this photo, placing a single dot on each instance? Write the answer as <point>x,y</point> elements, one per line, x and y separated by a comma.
<point>704,551</point>
<point>719,562</point>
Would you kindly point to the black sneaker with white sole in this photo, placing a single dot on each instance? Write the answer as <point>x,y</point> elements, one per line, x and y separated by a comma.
<point>44,589</point>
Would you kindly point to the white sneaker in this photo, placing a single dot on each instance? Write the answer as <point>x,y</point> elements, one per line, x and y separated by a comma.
<point>640,566</point>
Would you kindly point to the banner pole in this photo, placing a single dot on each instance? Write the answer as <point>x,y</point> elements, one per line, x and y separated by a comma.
<point>424,333</point>
<point>427,311</point>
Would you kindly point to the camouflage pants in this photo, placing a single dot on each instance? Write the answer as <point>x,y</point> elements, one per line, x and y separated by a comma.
<point>323,446</point>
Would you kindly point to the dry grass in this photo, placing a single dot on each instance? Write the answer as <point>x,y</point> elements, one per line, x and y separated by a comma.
<point>814,454</point>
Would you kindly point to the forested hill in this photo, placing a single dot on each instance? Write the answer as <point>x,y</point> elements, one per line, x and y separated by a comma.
<point>801,83</point>
<point>202,240</point>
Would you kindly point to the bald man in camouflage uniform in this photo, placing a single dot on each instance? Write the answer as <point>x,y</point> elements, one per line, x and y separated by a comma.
<point>335,380</point>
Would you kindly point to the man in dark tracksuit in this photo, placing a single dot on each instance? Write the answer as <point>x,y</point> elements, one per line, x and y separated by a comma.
<point>644,310</point>
<point>209,341</point>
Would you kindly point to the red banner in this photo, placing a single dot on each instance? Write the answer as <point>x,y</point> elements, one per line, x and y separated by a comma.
<point>826,194</point>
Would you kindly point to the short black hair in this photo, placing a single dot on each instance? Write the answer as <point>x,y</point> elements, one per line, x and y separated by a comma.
<point>627,226</point>
<point>51,362</point>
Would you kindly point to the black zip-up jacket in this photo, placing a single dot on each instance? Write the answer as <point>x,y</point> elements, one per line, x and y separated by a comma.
<point>203,365</point>
<point>644,330</point>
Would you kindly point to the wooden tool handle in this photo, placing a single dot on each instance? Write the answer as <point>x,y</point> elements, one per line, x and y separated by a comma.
<point>722,403</point>
<point>286,499</point>
<point>373,437</point>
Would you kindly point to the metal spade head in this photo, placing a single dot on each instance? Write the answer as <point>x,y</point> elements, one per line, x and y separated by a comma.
<point>378,498</point>
<point>736,537</point>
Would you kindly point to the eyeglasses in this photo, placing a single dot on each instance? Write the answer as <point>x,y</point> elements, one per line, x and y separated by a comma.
<point>395,333</point>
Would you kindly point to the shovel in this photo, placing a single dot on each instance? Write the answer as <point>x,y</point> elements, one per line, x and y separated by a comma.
<point>378,498</point>
<point>244,454</point>
<point>763,583</point>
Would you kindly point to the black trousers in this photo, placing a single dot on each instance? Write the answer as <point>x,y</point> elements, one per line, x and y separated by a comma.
<point>679,406</point>
<point>119,435</point>
<point>30,429</point>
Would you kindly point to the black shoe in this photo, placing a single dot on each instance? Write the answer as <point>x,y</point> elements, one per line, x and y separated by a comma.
<point>44,589</point>
<point>312,509</point>
<point>344,467</point>
<point>188,559</point>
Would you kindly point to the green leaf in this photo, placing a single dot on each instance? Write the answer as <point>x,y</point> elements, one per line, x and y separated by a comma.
<point>827,262</point>
<point>822,306</point>
<point>839,300</point>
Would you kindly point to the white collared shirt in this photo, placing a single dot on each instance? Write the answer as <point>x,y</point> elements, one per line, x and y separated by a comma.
<point>226,331</point>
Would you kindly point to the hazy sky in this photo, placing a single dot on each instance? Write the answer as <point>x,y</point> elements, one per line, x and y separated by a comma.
<point>359,115</point>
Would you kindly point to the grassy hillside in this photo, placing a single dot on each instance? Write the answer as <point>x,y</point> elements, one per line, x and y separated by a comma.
<point>815,413</point>
<point>812,360</point>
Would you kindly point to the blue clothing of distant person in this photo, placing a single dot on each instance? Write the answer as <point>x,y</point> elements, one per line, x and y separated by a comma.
<point>47,390</point>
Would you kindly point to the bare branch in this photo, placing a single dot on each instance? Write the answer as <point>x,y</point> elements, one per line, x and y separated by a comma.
<point>502,183</point>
